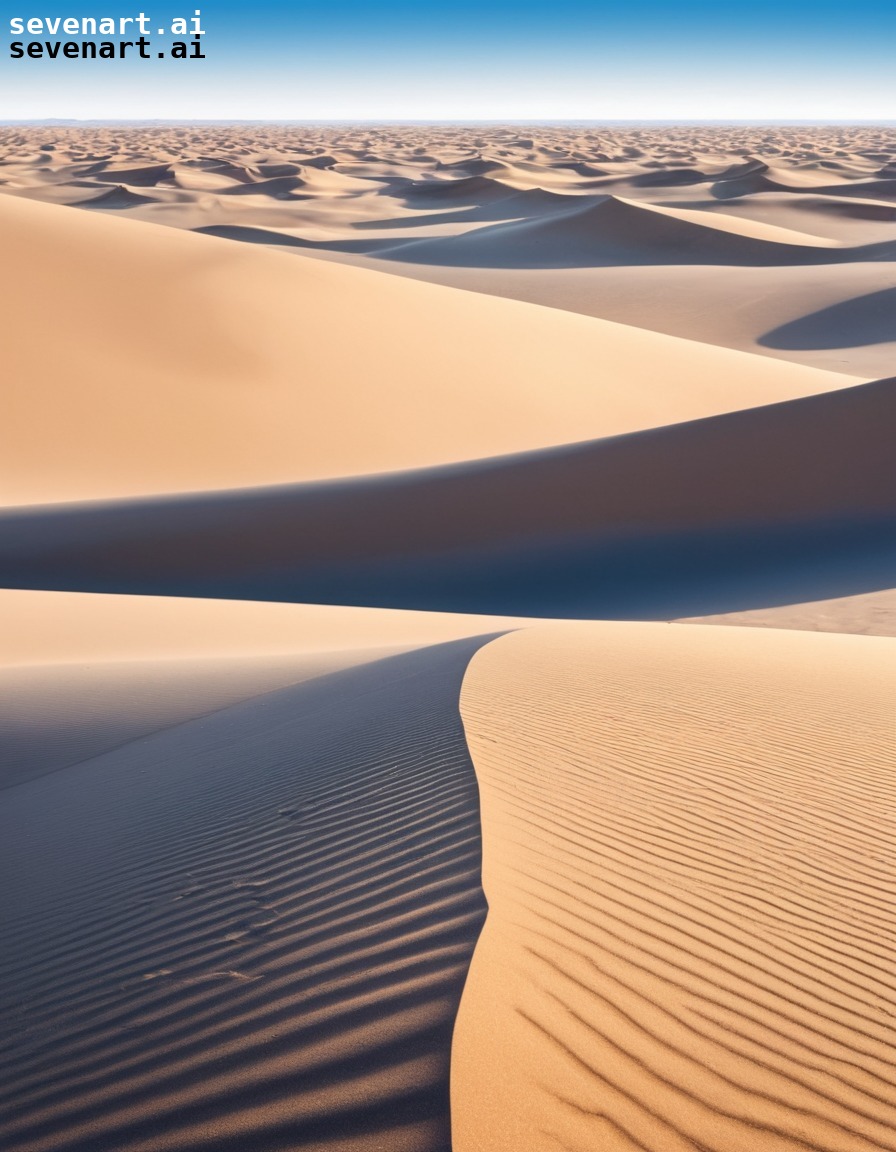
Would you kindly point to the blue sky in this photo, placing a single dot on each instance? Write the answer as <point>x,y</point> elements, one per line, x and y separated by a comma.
<point>488,60</point>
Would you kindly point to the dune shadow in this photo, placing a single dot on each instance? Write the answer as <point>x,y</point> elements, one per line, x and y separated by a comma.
<point>654,575</point>
<point>247,234</point>
<point>864,320</point>
<point>514,206</point>
<point>283,899</point>
<point>118,197</point>
<point>537,230</point>
<point>769,506</point>
<point>604,231</point>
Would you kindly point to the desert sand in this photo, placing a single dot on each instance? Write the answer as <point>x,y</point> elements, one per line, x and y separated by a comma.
<point>685,857</point>
<point>447,608</point>
<point>222,365</point>
<point>774,240</point>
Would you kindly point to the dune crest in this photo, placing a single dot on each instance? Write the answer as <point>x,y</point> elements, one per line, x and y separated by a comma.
<point>614,230</point>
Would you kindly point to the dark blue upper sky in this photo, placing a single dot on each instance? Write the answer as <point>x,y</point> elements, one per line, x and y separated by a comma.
<point>490,60</point>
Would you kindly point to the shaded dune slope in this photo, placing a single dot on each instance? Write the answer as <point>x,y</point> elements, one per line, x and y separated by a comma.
<point>868,319</point>
<point>252,928</point>
<point>116,197</point>
<point>688,861</point>
<point>788,502</point>
<point>751,183</point>
<point>473,189</point>
<point>59,714</point>
<point>143,176</point>
<point>794,182</point>
<point>615,230</point>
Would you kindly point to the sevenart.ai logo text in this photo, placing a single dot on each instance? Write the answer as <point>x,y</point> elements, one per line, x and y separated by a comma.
<point>106,38</point>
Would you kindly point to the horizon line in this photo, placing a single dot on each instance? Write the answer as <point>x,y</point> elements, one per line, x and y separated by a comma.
<point>54,121</point>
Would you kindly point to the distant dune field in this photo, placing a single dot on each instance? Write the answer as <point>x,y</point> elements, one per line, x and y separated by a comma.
<point>381,769</point>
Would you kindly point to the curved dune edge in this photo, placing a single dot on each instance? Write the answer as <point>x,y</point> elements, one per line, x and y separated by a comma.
<point>252,927</point>
<point>690,942</point>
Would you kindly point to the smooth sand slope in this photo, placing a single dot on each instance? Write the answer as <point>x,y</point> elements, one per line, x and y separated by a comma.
<point>838,317</point>
<point>252,928</point>
<point>142,359</point>
<point>52,628</point>
<point>688,859</point>
<point>182,362</point>
<point>768,506</point>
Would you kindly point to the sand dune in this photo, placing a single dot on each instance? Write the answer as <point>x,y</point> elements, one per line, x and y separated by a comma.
<point>478,189</point>
<point>478,203</point>
<point>280,187</point>
<point>869,319</point>
<point>288,976</point>
<point>765,506</point>
<point>223,365</point>
<point>879,188</point>
<point>735,307</point>
<point>277,518</point>
<point>118,197</point>
<point>144,176</point>
<point>81,675</point>
<point>254,926</point>
<point>689,940</point>
<point>615,230</point>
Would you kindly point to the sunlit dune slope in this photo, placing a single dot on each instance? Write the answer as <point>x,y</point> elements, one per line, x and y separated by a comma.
<point>688,859</point>
<point>47,628</point>
<point>143,359</point>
